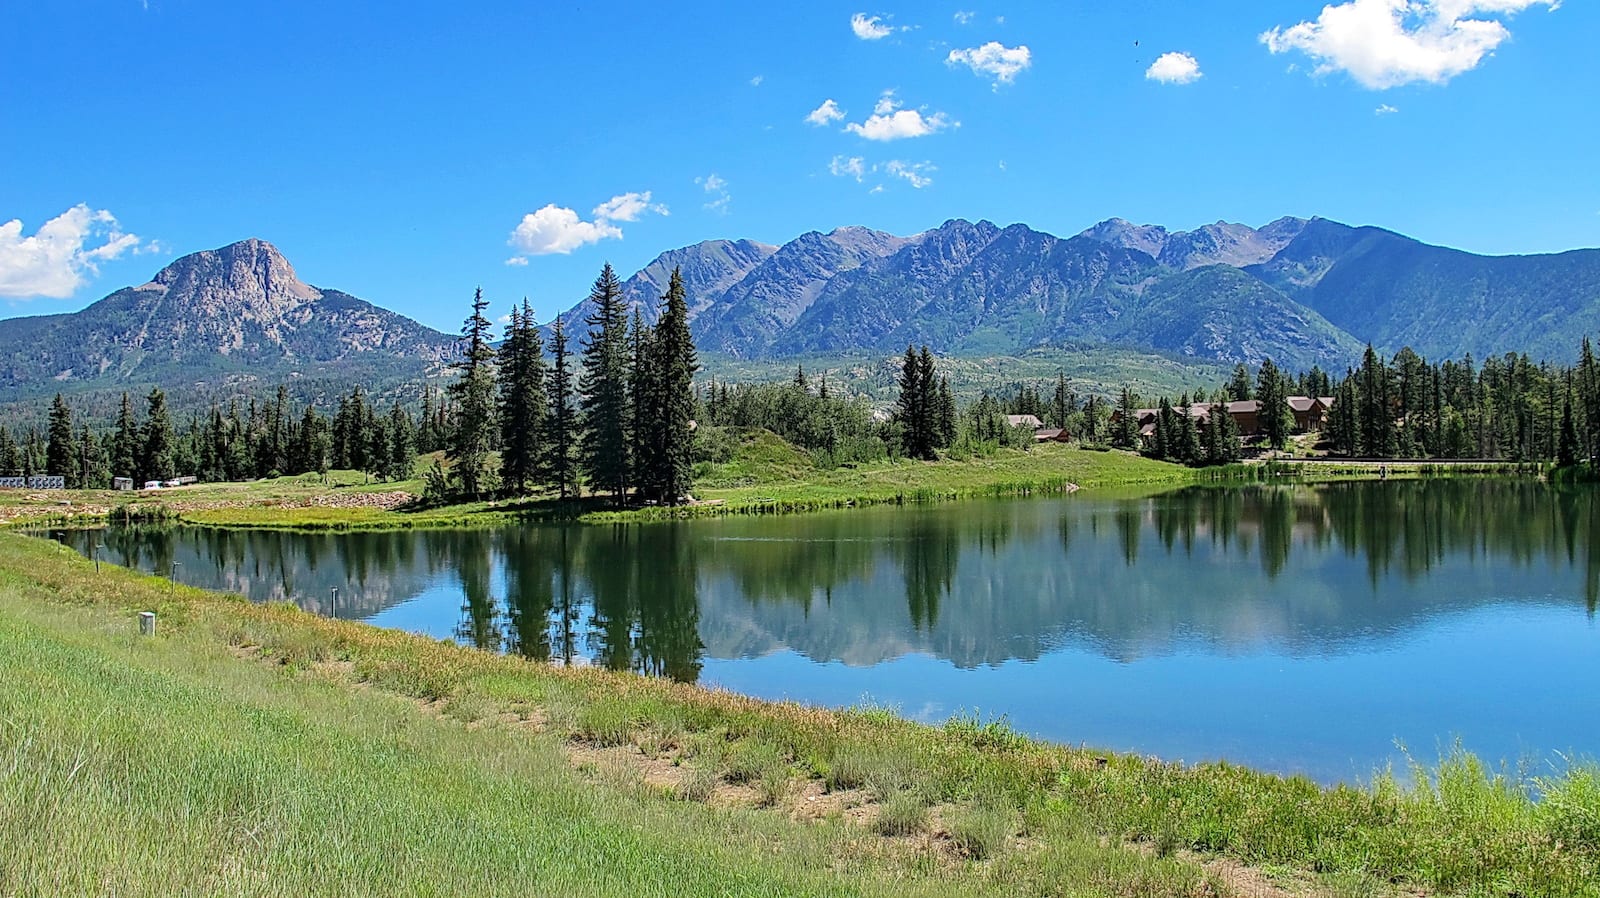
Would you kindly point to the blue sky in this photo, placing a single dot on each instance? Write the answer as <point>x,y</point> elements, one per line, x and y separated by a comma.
<point>408,152</point>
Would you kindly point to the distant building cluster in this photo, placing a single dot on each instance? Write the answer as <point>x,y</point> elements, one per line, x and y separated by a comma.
<point>36,482</point>
<point>1310,413</point>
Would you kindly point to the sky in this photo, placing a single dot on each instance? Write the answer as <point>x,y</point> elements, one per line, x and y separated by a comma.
<point>409,152</point>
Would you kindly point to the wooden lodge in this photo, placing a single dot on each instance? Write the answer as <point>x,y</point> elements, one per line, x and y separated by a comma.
<point>1309,413</point>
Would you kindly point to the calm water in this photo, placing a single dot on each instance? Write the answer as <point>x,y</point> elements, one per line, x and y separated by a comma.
<point>1299,629</point>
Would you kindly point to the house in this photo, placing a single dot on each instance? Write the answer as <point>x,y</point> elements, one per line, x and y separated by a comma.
<point>122,484</point>
<point>1051,435</point>
<point>1310,412</point>
<point>1246,415</point>
<point>1030,421</point>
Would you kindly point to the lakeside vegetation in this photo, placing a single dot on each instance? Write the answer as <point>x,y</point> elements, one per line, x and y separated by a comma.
<point>285,753</point>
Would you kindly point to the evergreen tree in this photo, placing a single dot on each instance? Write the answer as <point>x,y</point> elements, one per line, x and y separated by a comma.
<point>1239,384</point>
<point>522,401</point>
<point>402,453</point>
<point>473,392</point>
<point>916,406</point>
<point>946,414</point>
<point>672,400</point>
<point>10,455</point>
<point>60,457</point>
<point>643,403</point>
<point>1567,447</point>
<point>1188,448</point>
<point>157,461</point>
<point>1589,400</point>
<point>1274,416</point>
<point>560,462</point>
<point>603,388</point>
<point>125,445</point>
<point>1125,435</point>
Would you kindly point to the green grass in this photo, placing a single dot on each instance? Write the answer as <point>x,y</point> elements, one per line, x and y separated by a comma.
<point>765,475</point>
<point>261,750</point>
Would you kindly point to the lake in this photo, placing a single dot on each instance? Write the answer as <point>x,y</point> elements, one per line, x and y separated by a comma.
<point>1299,628</point>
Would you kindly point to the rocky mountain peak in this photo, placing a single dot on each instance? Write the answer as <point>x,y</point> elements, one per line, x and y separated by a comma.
<point>250,279</point>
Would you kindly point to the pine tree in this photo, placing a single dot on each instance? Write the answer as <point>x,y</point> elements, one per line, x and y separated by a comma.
<point>916,407</point>
<point>157,461</point>
<point>643,403</point>
<point>1125,435</point>
<point>1239,385</point>
<point>10,455</point>
<point>946,414</point>
<point>522,402</point>
<point>1567,445</point>
<point>1588,399</point>
<point>603,388</point>
<point>672,387</point>
<point>473,392</point>
<point>125,446</point>
<point>402,448</point>
<point>560,462</point>
<point>59,456</point>
<point>1274,416</point>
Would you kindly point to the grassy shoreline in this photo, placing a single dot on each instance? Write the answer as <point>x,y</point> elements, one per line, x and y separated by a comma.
<point>281,753</point>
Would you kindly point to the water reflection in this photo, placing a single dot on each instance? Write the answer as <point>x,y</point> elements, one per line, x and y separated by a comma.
<point>1303,570</point>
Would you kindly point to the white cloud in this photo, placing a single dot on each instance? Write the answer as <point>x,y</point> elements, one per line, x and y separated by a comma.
<point>1385,109</point>
<point>994,59</point>
<point>557,230</point>
<point>756,81</point>
<point>829,111</point>
<point>869,28</point>
<point>890,122</point>
<point>916,173</point>
<point>1389,43</point>
<point>58,258</point>
<point>964,17</point>
<point>716,188</point>
<point>848,166</point>
<point>1174,68</point>
<point>628,207</point>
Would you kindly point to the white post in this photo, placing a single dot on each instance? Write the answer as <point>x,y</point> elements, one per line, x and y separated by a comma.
<point>147,623</point>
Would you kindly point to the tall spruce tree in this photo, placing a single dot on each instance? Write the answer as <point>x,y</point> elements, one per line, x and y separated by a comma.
<point>401,455</point>
<point>560,466</point>
<point>522,401</point>
<point>1274,416</point>
<point>125,445</point>
<point>473,391</point>
<point>603,387</point>
<point>672,398</point>
<point>915,408</point>
<point>10,454</point>
<point>643,403</point>
<point>946,414</point>
<point>1125,432</point>
<point>59,455</point>
<point>157,460</point>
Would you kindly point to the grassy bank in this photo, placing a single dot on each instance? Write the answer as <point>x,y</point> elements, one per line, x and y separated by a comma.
<point>260,750</point>
<point>764,475</point>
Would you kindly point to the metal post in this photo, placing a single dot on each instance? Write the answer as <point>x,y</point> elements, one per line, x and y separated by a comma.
<point>94,550</point>
<point>173,580</point>
<point>335,603</point>
<point>147,623</point>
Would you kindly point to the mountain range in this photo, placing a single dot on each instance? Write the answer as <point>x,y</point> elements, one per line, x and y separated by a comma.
<point>1300,291</point>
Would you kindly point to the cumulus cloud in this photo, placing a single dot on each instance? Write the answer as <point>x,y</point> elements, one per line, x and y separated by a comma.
<point>829,111</point>
<point>848,167</point>
<point>557,230</point>
<point>993,59</point>
<point>1174,68</point>
<point>869,28</point>
<point>915,173</point>
<point>64,253</point>
<point>1389,43</point>
<point>889,121</point>
<point>716,189</point>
